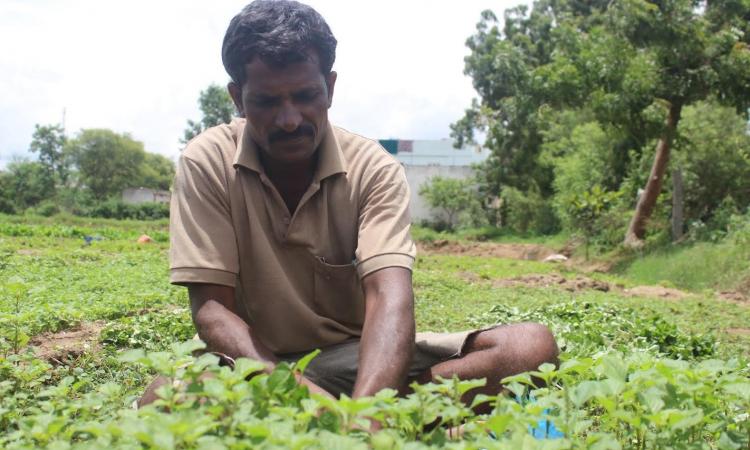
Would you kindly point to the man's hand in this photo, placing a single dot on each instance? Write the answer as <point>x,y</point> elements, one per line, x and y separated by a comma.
<point>387,344</point>
<point>223,330</point>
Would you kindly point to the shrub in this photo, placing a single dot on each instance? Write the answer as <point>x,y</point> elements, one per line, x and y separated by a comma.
<point>455,200</point>
<point>527,212</point>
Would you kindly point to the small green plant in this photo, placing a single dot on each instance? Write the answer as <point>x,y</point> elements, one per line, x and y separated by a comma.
<point>586,210</point>
<point>451,197</point>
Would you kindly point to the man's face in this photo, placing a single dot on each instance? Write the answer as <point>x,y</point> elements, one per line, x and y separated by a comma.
<point>286,108</point>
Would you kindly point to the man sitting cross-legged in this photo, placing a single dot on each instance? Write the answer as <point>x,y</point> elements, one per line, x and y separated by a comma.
<point>292,234</point>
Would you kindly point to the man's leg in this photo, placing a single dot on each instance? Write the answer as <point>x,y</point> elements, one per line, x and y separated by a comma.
<point>498,353</point>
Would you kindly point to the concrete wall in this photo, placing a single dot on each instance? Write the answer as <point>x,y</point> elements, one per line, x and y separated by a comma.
<point>145,195</point>
<point>418,175</point>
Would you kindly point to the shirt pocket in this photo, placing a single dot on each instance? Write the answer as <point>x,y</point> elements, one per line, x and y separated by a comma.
<point>338,293</point>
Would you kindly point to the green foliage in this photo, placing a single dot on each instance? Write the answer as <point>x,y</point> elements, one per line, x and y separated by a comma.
<point>117,209</point>
<point>25,184</point>
<point>107,162</point>
<point>452,197</point>
<point>713,151</point>
<point>584,328</point>
<point>699,265</point>
<point>527,212</point>
<point>49,141</point>
<point>586,211</point>
<point>635,371</point>
<point>572,95</point>
<point>216,107</point>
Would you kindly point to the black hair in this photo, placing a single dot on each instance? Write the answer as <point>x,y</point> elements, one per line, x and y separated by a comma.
<point>279,32</point>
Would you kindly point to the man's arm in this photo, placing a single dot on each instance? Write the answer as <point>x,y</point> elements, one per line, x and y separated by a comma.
<point>387,343</point>
<point>214,314</point>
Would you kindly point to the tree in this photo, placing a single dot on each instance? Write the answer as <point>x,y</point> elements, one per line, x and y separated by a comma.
<point>632,65</point>
<point>49,141</point>
<point>26,184</point>
<point>107,162</point>
<point>699,49</point>
<point>157,172</point>
<point>450,196</point>
<point>216,106</point>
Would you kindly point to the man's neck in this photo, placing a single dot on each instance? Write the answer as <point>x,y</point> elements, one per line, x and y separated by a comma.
<point>291,180</point>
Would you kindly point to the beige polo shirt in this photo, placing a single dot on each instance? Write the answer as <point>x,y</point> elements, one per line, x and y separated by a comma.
<point>297,277</point>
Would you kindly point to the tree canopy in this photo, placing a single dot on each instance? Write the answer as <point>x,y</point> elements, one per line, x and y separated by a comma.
<point>602,85</point>
<point>216,107</point>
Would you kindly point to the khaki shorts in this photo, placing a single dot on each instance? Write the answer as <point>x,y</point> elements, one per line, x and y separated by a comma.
<point>335,367</point>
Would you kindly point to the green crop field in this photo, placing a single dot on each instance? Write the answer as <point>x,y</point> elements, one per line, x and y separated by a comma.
<point>87,318</point>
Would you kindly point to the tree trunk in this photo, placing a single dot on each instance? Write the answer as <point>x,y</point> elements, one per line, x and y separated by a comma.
<point>678,204</point>
<point>637,229</point>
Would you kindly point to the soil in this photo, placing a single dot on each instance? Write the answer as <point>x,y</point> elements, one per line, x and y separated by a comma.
<point>657,292</point>
<point>737,297</point>
<point>579,283</point>
<point>57,348</point>
<point>533,252</point>
<point>738,331</point>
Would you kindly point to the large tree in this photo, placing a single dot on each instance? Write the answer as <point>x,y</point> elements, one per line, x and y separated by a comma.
<point>49,142</point>
<point>699,49</point>
<point>216,107</point>
<point>107,162</point>
<point>622,62</point>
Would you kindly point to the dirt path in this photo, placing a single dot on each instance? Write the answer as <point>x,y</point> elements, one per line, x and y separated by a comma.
<point>582,283</point>
<point>531,252</point>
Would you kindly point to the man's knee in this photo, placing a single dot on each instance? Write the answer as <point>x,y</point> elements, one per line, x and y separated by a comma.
<point>541,342</point>
<point>530,341</point>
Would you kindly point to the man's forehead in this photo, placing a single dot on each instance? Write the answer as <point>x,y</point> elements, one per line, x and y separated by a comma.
<point>263,75</point>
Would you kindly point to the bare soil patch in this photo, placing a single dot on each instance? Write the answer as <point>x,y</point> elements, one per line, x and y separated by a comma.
<point>578,283</point>
<point>532,252</point>
<point>738,331</point>
<point>57,348</point>
<point>658,292</point>
<point>737,297</point>
<point>581,283</point>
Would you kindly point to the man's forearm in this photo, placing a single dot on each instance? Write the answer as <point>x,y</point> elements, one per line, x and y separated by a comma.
<point>225,332</point>
<point>386,346</point>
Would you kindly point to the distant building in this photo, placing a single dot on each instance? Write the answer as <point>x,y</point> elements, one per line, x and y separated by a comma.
<point>145,195</point>
<point>424,159</point>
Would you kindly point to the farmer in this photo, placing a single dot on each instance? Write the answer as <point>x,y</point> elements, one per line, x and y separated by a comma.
<point>292,234</point>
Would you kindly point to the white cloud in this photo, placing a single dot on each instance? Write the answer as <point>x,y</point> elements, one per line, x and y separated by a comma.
<point>138,66</point>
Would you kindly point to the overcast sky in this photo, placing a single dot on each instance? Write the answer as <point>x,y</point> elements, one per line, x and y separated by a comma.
<point>138,66</point>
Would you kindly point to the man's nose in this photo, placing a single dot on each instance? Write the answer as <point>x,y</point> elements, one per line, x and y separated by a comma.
<point>288,118</point>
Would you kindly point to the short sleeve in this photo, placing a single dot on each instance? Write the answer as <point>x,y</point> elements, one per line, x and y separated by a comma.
<point>384,236</point>
<point>203,248</point>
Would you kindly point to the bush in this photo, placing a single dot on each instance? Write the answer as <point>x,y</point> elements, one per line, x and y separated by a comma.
<point>527,212</point>
<point>117,209</point>
<point>456,201</point>
<point>46,208</point>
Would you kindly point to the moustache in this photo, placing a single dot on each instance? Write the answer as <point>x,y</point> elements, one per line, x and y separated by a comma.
<point>302,130</point>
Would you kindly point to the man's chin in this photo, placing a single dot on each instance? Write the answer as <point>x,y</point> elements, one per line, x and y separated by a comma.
<point>292,154</point>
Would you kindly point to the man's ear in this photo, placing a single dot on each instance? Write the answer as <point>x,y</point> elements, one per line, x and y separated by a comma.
<point>235,91</point>
<point>330,83</point>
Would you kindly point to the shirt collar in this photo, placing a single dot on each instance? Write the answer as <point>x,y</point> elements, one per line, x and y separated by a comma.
<point>330,158</point>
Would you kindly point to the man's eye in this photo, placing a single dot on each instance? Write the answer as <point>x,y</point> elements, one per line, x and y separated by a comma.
<point>264,101</point>
<point>306,96</point>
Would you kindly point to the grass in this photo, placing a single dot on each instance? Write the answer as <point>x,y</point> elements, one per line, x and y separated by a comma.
<point>695,267</point>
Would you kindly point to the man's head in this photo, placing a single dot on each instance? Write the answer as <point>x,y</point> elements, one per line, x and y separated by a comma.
<point>279,54</point>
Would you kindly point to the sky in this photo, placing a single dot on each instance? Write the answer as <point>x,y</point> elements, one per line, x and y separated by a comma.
<point>138,66</point>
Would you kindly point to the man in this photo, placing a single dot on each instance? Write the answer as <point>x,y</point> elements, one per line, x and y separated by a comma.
<point>291,234</point>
